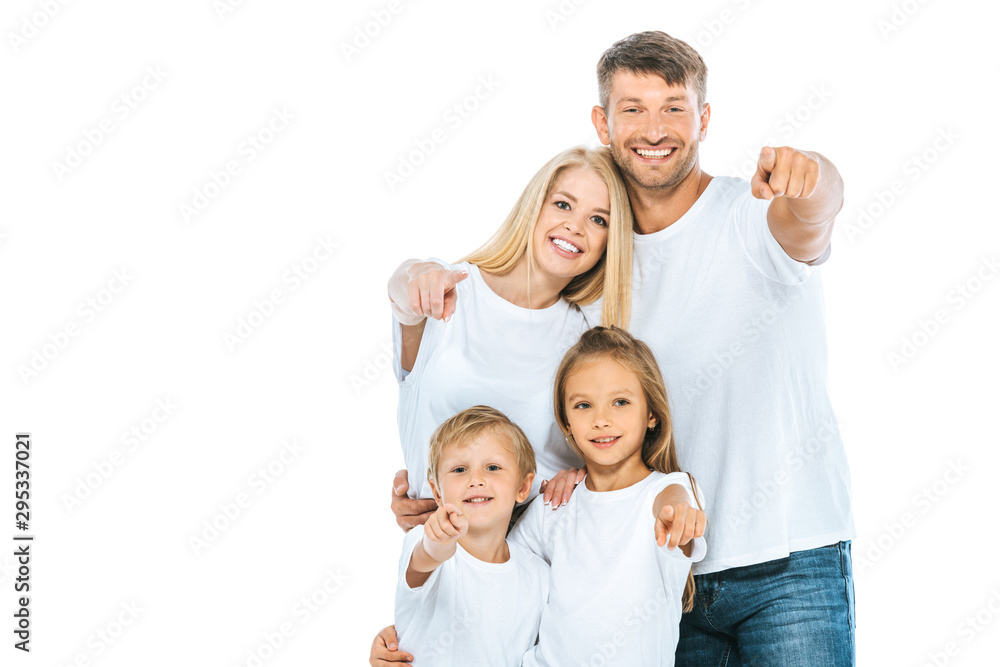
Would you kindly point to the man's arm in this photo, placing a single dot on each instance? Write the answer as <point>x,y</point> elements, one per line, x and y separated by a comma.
<point>806,193</point>
<point>409,512</point>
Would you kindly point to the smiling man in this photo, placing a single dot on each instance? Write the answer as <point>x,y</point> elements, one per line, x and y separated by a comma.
<point>726,293</point>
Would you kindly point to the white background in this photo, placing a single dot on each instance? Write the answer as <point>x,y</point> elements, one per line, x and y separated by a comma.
<point>314,371</point>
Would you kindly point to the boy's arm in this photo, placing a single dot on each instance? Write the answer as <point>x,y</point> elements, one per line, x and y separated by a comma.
<point>806,192</point>
<point>677,522</point>
<point>441,535</point>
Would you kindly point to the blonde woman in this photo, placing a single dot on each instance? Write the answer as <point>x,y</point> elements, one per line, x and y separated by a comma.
<point>491,328</point>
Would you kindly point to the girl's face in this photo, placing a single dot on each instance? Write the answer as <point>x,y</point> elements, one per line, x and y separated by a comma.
<point>571,232</point>
<point>607,413</point>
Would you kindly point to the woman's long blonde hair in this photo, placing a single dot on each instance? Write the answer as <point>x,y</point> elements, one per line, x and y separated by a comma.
<point>611,277</point>
<point>658,450</point>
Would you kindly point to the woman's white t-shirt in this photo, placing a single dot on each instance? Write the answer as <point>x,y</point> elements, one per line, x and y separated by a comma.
<point>491,353</point>
<point>615,595</point>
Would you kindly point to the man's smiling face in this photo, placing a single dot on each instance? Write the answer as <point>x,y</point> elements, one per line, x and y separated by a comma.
<point>653,128</point>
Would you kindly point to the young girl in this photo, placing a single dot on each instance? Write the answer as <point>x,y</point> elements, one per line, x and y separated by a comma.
<point>621,548</point>
<point>491,328</point>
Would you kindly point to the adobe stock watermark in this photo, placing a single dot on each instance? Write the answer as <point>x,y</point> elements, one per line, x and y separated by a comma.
<point>453,117</point>
<point>913,169</point>
<point>373,368</point>
<point>870,551</point>
<point>561,12</point>
<point>218,180</point>
<point>264,308</point>
<point>131,440</point>
<point>899,15</point>
<point>301,612</point>
<point>223,8</point>
<point>652,610</point>
<point>795,461</point>
<point>713,28</point>
<point>970,627</point>
<point>958,297</point>
<point>122,106</point>
<point>102,639</point>
<point>32,24</point>
<point>371,29</point>
<point>750,331</point>
<point>259,481</point>
<point>786,126</point>
<point>87,311</point>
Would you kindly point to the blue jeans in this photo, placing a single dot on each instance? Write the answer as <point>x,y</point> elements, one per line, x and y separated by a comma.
<point>792,611</point>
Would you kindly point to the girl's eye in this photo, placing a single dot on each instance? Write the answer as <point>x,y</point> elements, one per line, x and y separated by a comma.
<point>564,205</point>
<point>599,220</point>
<point>582,405</point>
<point>621,402</point>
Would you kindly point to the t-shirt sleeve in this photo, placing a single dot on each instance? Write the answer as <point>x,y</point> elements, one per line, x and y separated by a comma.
<point>750,217</point>
<point>682,478</point>
<point>528,532</point>
<point>426,342</point>
<point>410,602</point>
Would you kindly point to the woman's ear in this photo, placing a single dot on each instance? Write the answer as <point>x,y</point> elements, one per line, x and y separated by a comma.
<point>652,421</point>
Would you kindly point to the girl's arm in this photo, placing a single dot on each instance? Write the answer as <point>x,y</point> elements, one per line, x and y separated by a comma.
<point>441,535</point>
<point>677,522</point>
<point>418,290</point>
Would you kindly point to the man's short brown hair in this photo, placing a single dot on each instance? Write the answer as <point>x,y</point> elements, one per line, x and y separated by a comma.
<point>657,53</point>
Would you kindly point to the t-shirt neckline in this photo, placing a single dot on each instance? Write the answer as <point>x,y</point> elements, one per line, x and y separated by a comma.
<point>692,213</point>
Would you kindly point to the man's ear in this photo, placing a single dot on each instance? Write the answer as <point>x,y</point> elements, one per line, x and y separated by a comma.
<point>600,120</point>
<point>525,490</point>
<point>437,494</point>
<point>706,115</point>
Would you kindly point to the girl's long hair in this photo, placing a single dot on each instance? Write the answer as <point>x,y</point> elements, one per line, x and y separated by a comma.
<point>658,450</point>
<point>611,277</point>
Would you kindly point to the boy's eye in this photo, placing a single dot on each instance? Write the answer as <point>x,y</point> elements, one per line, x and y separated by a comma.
<point>458,469</point>
<point>493,467</point>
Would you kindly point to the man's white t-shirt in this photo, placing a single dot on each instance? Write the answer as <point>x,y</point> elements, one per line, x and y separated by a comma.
<point>615,596</point>
<point>471,613</point>
<point>737,327</point>
<point>491,353</point>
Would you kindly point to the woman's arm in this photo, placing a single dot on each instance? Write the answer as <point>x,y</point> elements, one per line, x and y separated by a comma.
<point>418,290</point>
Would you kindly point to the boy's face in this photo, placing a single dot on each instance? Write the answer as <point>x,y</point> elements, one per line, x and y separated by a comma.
<point>482,480</point>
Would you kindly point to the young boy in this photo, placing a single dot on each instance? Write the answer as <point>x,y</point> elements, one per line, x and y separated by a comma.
<point>466,596</point>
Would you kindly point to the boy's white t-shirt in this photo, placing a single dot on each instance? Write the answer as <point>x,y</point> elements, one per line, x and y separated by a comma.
<point>469,612</point>
<point>737,327</point>
<point>491,353</point>
<point>615,596</point>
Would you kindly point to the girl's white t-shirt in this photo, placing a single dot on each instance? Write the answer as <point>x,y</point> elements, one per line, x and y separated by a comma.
<point>491,353</point>
<point>615,595</point>
<point>737,327</point>
<point>469,612</point>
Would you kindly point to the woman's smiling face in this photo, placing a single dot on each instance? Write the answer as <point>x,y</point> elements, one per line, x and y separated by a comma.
<point>571,232</point>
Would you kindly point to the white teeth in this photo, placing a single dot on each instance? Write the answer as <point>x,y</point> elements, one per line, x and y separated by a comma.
<point>477,500</point>
<point>607,439</point>
<point>569,247</point>
<point>660,153</point>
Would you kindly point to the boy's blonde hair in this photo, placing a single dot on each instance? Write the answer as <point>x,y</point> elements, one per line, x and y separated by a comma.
<point>462,429</point>
<point>618,345</point>
<point>611,277</point>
